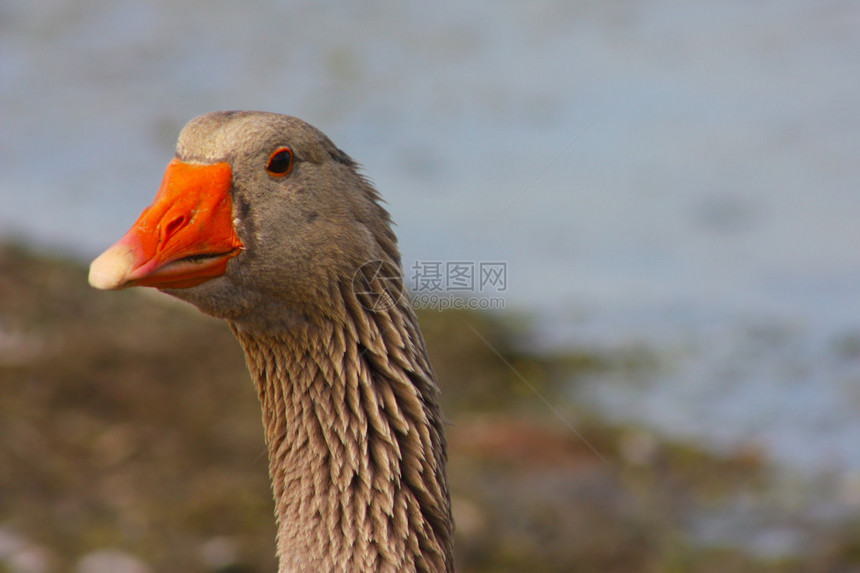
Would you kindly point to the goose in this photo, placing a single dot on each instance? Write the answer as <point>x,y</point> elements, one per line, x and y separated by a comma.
<point>262,221</point>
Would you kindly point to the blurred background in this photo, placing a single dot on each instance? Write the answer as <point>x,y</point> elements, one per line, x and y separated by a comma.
<point>672,188</point>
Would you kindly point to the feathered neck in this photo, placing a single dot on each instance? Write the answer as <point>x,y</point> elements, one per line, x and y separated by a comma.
<point>356,441</point>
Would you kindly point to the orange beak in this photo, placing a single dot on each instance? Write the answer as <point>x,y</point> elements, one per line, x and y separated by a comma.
<point>183,239</point>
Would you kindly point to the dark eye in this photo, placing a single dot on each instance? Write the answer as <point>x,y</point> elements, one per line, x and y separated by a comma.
<point>280,162</point>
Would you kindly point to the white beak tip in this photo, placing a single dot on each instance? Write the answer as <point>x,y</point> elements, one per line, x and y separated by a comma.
<point>111,269</point>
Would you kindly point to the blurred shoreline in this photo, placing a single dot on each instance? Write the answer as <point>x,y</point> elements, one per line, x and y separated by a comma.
<point>131,432</point>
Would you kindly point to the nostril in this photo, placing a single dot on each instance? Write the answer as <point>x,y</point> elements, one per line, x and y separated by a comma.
<point>174,226</point>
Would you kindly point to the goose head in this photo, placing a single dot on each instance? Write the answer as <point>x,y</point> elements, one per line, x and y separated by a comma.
<point>258,218</point>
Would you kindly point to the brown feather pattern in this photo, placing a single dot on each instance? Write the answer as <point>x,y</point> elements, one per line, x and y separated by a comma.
<point>356,442</point>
